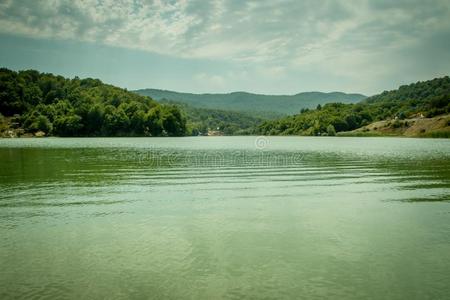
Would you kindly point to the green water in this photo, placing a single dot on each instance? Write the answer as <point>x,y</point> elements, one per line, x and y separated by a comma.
<point>225,218</point>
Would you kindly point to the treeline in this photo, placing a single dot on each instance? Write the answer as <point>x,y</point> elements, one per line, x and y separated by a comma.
<point>83,107</point>
<point>428,99</point>
<point>201,120</point>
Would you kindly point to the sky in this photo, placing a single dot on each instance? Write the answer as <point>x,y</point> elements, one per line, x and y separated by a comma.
<point>270,47</point>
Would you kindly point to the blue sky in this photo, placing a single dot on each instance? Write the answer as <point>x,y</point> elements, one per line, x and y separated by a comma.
<point>274,47</point>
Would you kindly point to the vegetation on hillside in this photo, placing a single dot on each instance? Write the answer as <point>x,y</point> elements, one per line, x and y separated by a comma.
<point>82,107</point>
<point>32,102</point>
<point>202,120</point>
<point>271,105</point>
<point>427,99</point>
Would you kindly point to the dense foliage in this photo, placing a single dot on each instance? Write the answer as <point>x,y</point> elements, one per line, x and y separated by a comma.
<point>202,120</point>
<point>431,98</point>
<point>428,99</point>
<point>83,107</point>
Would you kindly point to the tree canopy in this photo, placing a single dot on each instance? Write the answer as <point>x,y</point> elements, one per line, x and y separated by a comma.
<point>83,107</point>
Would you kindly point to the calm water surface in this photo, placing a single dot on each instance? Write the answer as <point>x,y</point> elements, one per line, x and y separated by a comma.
<point>225,218</point>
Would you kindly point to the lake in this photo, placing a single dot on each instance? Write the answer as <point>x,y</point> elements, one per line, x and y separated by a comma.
<point>225,218</point>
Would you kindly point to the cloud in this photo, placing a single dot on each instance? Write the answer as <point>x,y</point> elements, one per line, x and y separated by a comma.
<point>249,31</point>
<point>210,81</point>
<point>338,37</point>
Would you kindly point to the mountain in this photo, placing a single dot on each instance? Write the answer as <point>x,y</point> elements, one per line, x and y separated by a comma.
<point>401,107</point>
<point>248,102</point>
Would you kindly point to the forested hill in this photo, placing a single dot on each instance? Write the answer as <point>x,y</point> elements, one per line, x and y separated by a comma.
<point>431,97</point>
<point>248,102</point>
<point>421,99</point>
<point>34,101</point>
<point>202,120</point>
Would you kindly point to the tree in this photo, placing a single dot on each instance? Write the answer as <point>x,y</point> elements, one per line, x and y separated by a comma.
<point>137,122</point>
<point>116,121</point>
<point>153,121</point>
<point>68,125</point>
<point>94,119</point>
<point>330,130</point>
<point>37,122</point>
<point>173,122</point>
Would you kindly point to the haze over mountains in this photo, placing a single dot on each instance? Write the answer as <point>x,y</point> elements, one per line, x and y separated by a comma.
<point>248,102</point>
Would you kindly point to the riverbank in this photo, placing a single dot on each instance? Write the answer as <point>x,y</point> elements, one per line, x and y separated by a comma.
<point>436,127</point>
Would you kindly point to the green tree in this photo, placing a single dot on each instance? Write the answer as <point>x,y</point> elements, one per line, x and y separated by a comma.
<point>330,130</point>
<point>153,122</point>
<point>68,125</point>
<point>173,121</point>
<point>94,119</point>
<point>37,122</point>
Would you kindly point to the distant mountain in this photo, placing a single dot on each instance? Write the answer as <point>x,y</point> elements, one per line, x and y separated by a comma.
<point>248,102</point>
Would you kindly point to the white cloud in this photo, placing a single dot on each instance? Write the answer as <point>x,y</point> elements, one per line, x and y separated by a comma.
<point>255,30</point>
<point>209,81</point>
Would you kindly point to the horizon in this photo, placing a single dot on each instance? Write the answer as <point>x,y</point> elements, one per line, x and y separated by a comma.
<point>265,47</point>
<point>196,93</point>
<point>253,93</point>
<point>226,92</point>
